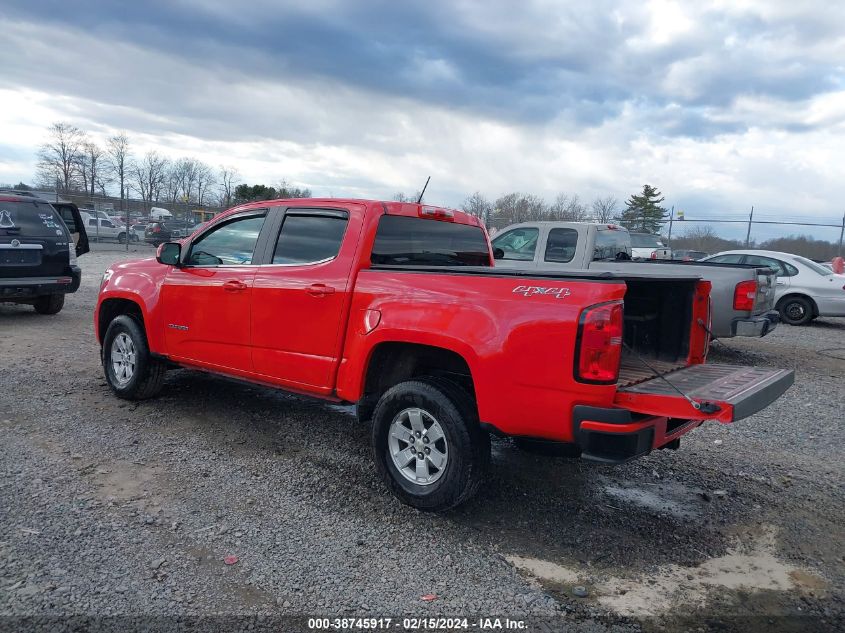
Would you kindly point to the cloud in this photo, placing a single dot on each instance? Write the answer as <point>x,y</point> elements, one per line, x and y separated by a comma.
<point>720,100</point>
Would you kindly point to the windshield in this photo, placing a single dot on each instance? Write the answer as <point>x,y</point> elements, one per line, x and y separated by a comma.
<point>644,240</point>
<point>826,272</point>
<point>29,219</point>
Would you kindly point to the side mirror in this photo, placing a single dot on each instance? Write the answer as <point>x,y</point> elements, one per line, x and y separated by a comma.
<point>169,253</point>
<point>498,253</point>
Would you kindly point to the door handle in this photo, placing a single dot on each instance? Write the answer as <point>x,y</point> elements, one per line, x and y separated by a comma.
<point>234,286</point>
<point>320,290</point>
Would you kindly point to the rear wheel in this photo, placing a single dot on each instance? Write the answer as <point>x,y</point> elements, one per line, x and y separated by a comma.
<point>121,238</point>
<point>130,370</point>
<point>427,444</point>
<point>795,310</point>
<point>49,304</point>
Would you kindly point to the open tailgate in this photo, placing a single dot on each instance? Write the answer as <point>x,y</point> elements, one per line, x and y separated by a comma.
<point>724,392</point>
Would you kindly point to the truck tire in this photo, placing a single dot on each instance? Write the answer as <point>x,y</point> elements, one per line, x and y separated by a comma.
<point>121,238</point>
<point>132,373</point>
<point>796,310</point>
<point>49,304</point>
<point>428,445</point>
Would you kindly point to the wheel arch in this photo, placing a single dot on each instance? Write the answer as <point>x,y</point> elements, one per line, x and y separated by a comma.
<point>113,307</point>
<point>393,362</point>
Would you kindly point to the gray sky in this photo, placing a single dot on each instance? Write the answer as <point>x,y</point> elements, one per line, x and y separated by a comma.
<point>722,105</point>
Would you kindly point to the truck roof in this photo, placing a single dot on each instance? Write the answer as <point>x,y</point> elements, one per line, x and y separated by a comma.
<point>391,207</point>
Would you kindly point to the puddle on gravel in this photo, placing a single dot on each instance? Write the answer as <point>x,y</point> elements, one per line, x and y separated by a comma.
<point>751,567</point>
<point>669,498</point>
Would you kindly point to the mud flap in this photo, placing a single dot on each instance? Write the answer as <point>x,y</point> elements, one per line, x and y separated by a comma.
<point>722,392</point>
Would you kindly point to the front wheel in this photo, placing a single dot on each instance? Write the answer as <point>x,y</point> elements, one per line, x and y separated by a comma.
<point>795,310</point>
<point>130,370</point>
<point>427,444</point>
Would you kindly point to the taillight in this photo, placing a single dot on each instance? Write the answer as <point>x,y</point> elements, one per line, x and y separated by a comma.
<point>156,229</point>
<point>599,345</point>
<point>744,295</point>
<point>654,254</point>
<point>436,213</point>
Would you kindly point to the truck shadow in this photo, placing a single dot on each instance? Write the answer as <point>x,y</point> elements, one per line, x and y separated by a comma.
<point>553,508</point>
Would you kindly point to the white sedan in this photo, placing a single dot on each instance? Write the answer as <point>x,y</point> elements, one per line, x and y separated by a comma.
<point>804,290</point>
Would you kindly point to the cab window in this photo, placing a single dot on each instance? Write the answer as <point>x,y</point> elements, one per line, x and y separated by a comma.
<point>232,243</point>
<point>518,244</point>
<point>309,238</point>
<point>612,244</point>
<point>560,245</point>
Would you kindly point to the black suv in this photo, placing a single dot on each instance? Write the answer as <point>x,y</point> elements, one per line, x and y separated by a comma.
<point>38,251</point>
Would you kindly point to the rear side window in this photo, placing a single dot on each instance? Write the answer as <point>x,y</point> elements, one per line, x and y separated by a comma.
<point>560,246</point>
<point>308,239</point>
<point>30,219</point>
<point>726,259</point>
<point>402,241</point>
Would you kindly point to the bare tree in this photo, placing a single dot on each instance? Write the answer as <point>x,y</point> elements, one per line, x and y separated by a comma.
<point>148,175</point>
<point>518,207</point>
<point>205,180</point>
<point>479,206</point>
<point>567,208</point>
<point>604,209</point>
<point>60,157</point>
<point>185,172</point>
<point>91,167</point>
<point>119,157</point>
<point>228,179</point>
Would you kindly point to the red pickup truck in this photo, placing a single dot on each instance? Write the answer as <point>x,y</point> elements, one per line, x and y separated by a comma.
<point>397,307</point>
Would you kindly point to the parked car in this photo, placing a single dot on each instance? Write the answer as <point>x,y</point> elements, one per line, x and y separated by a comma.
<point>742,297</point>
<point>685,255</point>
<point>648,246</point>
<point>101,230</point>
<point>38,263</point>
<point>804,289</point>
<point>158,231</point>
<point>71,216</point>
<point>397,307</point>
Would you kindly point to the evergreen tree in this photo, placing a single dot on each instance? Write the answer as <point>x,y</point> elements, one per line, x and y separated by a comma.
<point>643,212</point>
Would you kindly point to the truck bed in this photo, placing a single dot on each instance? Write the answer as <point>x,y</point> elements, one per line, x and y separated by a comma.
<point>632,371</point>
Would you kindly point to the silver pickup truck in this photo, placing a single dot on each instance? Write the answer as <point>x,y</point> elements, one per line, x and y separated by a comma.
<point>742,297</point>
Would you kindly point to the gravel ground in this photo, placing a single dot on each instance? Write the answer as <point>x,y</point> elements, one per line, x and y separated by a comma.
<point>116,508</point>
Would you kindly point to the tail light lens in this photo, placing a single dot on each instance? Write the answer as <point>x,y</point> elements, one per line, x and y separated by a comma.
<point>156,228</point>
<point>436,213</point>
<point>599,345</point>
<point>654,254</point>
<point>744,295</point>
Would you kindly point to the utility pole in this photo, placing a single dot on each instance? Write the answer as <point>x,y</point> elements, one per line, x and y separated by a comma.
<point>841,233</point>
<point>748,234</point>
<point>671,218</point>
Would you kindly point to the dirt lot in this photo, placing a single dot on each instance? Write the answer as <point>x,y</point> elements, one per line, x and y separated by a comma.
<point>109,507</point>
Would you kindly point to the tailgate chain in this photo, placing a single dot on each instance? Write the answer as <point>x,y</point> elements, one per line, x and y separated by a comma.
<point>704,407</point>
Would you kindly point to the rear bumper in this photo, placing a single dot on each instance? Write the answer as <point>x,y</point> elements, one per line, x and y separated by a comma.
<point>615,436</point>
<point>23,288</point>
<point>756,326</point>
